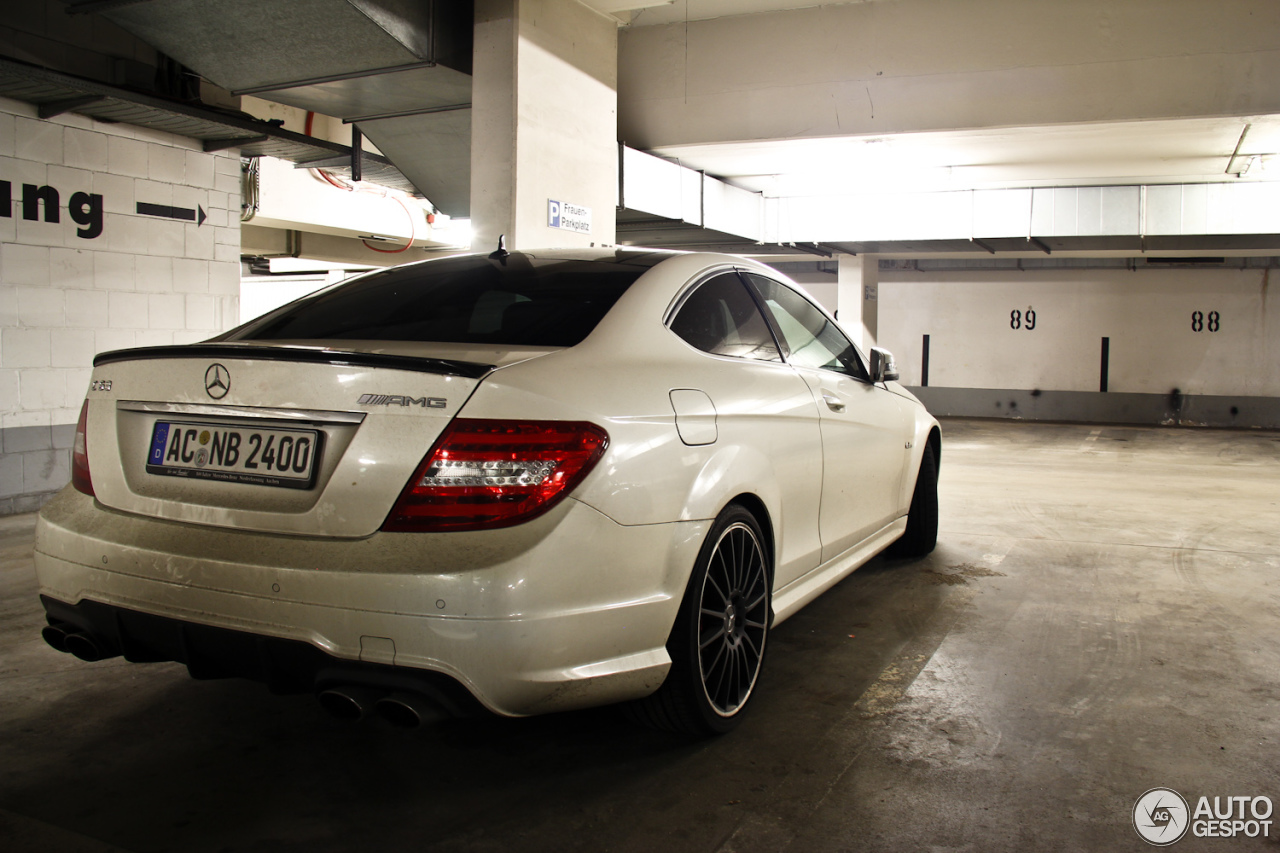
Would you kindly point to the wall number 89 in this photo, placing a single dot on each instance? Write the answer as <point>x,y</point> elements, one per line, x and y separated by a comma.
<point>1198,324</point>
<point>1016,319</point>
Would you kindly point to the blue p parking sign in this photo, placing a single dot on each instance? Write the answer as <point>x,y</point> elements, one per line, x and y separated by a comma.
<point>568,217</point>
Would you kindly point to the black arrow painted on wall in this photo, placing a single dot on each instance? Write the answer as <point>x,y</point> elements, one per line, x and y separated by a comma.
<point>149,209</point>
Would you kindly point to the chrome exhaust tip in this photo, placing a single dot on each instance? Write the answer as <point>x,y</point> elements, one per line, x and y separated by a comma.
<point>350,702</point>
<point>85,646</point>
<point>55,636</point>
<point>408,710</point>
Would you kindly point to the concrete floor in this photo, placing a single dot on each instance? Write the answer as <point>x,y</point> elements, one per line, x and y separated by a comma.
<point>1101,617</point>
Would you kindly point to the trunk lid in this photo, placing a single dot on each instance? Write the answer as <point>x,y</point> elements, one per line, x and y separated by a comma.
<point>330,437</point>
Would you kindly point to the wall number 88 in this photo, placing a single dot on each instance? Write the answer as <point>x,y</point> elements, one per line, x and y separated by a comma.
<point>1198,324</point>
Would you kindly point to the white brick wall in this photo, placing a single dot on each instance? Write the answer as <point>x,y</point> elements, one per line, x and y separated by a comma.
<point>23,348</point>
<point>7,124</point>
<point>71,268</point>
<point>36,140</point>
<point>143,281</point>
<point>127,157</point>
<point>84,149</point>
<point>126,310</point>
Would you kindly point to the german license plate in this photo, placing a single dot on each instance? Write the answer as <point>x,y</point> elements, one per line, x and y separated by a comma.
<point>235,453</point>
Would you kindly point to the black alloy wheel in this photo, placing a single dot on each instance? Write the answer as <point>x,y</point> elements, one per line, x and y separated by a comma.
<point>733,619</point>
<point>718,642</point>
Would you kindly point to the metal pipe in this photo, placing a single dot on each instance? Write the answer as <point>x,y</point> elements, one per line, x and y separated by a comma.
<point>402,113</point>
<point>357,138</point>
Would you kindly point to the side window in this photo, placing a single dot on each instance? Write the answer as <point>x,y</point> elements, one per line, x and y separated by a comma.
<point>720,317</point>
<point>813,340</point>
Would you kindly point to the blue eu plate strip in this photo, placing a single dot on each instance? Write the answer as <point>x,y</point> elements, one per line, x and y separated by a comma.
<point>159,441</point>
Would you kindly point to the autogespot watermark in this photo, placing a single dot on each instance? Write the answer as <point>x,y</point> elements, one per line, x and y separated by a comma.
<point>1162,817</point>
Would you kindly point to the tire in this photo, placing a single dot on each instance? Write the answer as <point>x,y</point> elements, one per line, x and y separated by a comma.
<point>921,535</point>
<point>718,641</point>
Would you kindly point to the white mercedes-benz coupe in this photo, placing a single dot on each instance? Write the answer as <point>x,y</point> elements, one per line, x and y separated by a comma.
<point>523,482</point>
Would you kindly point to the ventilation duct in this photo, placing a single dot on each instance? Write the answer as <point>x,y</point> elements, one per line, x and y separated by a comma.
<point>399,69</point>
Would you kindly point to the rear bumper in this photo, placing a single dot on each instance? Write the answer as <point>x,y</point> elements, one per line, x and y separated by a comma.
<point>285,666</point>
<point>528,622</point>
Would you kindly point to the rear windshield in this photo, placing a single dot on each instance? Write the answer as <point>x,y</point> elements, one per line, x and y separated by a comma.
<point>515,301</point>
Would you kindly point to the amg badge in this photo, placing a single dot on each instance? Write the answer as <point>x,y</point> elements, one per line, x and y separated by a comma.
<point>397,400</point>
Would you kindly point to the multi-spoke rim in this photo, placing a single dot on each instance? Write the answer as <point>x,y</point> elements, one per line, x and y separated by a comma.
<point>733,618</point>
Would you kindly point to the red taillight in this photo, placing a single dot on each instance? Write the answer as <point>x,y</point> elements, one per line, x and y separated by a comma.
<point>80,454</point>
<point>489,473</point>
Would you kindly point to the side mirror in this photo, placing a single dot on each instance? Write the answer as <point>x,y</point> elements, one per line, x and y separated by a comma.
<point>883,368</point>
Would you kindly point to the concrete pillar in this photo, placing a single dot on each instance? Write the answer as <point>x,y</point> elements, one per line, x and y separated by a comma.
<point>544,124</point>
<point>857,297</point>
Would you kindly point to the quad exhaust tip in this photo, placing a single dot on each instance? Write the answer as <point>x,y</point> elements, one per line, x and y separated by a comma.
<point>82,644</point>
<point>402,710</point>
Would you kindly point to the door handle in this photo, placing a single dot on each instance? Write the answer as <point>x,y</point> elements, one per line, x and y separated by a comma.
<point>834,403</point>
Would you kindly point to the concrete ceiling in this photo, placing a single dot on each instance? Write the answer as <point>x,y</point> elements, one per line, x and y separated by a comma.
<point>1168,151</point>
<point>1192,150</point>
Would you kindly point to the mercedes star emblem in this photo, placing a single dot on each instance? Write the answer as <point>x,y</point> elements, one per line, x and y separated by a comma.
<point>217,381</point>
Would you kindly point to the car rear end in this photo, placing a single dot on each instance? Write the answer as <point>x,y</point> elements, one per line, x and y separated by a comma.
<point>319,513</point>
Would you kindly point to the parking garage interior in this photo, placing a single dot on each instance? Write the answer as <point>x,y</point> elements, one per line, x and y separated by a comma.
<point>1061,217</point>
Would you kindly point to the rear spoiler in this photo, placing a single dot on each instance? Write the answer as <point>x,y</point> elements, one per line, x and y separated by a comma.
<point>310,355</point>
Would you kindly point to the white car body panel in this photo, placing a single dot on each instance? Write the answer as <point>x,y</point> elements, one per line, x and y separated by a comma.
<point>789,599</point>
<point>864,429</point>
